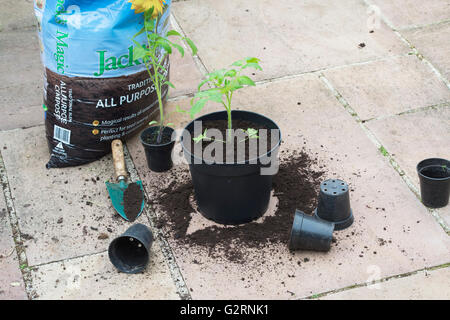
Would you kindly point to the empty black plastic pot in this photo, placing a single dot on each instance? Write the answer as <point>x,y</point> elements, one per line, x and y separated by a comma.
<point>130,252</point>
<point>434,175</point>
<point>334,204</point>
<point>159,156</point>
<point>310,233</point>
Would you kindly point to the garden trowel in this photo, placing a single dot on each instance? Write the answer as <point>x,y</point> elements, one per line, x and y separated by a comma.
<point>117,190</point>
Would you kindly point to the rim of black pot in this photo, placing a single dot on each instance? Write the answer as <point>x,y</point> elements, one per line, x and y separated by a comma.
<point>420,167</point>
<point>156,145</point>
<point>238,162</point>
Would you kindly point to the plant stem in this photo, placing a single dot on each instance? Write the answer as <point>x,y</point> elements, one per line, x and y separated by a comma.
<point>230,120</point>
<point>157,85</point>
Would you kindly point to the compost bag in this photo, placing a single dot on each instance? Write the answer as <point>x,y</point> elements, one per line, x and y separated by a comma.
<point>94,91</point>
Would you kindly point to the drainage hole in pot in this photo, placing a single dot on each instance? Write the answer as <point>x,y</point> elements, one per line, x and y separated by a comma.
<point>343,189</point>
<point>334,192</point>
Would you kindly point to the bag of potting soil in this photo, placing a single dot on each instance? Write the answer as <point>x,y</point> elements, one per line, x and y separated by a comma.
<point>94,91</point>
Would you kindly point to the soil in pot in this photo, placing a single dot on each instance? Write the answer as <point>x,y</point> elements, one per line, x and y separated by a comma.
<point>296,186</point>
<point>132,201</point>
<point>222,126</point>
<point>152,138</point>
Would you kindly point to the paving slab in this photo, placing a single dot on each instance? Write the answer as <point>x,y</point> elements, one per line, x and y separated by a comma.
<point>389,86</point>
<point>290,37</point>
<point>16,15</point>
<point>94,277</point>
<point>11,281</point>
<point>424,285</point>
<point>61,212</point>
<point>432,42</point>
<point>392,232</point>
<point>412,137</point>
<point>21,88</point>
<point>408,13</point>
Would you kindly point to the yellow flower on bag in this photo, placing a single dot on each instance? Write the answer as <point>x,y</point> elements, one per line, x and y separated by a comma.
<point>143,5</point>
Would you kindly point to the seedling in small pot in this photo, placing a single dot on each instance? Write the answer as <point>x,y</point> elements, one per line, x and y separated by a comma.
<point>223,83</point>
<point>154,52</point>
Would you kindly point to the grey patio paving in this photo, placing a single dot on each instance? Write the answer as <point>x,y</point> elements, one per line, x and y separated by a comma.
<point>341,79</point>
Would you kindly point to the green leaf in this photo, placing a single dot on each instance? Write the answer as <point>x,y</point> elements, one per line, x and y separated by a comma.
<point>200,137</point>
<point>192,45</point>
<point>173,33</point>
<point>244,80</point>
<point>164,44</point>
<point>252,60</point>
<point>202,83</point>
<point>139,52</point>
<point>197,107</point>
<point>152,122</point>
<point>180,48</point>
<point>252,133</point>
<point>211,94</point>
<point>238,63</point>
<point>252,65</point>
<point>231,73</point>
<point>170,84</point>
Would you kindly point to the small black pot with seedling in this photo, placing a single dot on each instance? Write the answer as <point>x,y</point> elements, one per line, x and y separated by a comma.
<point>157,141</point>
<point>434,176</point>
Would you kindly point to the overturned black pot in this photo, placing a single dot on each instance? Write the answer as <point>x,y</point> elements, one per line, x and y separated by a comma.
<point>310,233</point>
<point>159,156</point>
<point>334,204</point>
<point>232,193</point>
<point>130,252</point>
<point>434,175</point>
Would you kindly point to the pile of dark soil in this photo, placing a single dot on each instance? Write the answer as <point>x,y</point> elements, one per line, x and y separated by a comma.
<point>132,201</point>
<point>296,186</point>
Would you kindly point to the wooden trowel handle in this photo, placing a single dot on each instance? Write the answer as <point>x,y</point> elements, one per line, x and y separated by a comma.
<point>118,159</point>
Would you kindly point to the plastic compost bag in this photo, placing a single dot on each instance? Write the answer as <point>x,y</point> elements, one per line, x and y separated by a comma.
<point>94,91</point>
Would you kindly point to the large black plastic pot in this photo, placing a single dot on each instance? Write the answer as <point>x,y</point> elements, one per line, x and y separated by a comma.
<point>232,193</point>
<point>159,156</point>
<point>434,175</point>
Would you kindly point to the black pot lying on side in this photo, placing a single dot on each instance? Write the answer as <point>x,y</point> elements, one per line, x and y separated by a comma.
<point>159,156</point>
<point>232,193</point>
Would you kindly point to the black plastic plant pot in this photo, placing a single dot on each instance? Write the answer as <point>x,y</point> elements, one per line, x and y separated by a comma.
<point>233,193</point>
<point>334,204</point>
<point>130,252</point>
<point>159,156</point>
<point>310,233</point>
<point>434,175</point>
